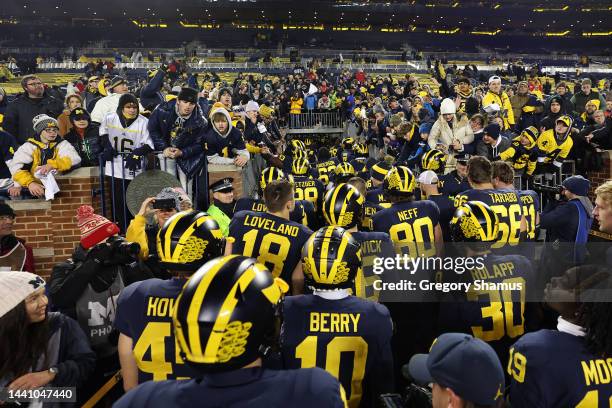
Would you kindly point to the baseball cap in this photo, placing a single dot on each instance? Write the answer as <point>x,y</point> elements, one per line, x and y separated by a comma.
<point>428,177</point>
<point>494,78</point>
<point>463,157</point>
<point>465,364</point>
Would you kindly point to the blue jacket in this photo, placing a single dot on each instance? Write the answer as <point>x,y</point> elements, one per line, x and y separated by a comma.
<point>190,139</point>
<point>151,95</point>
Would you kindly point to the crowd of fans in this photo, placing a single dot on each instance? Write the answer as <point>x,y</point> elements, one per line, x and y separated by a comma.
<point>196,291</point>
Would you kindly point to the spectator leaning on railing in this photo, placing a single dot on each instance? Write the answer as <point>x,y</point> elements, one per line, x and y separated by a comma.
<point>177,128</point>
<point>41,155</point>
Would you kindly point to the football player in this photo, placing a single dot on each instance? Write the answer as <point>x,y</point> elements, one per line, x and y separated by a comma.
<point>303,210</point>
<point>343,207</point>
<point>428,183</point>
<point>485,311</point>
<point>306,188</point>
<point>412,225</point>
<point>224,322</point>
<point>342,173</point>
<point>554,145</point>
<point>147,347</point>
<point>434,160</point>
<point>348,336</point>
<point>505,202</point>
<point>270,236</point>
<point>369,209</point>
<point>455,182</point>
<point>346,155</point>
<point>326,165</point>
<point>377,175</point>
<point>503,179</point>
<point>362,163</point>
<point>570,366</point>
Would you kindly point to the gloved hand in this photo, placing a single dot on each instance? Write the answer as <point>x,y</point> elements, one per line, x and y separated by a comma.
<point>108,151</point>
<point>100,253</point>
<point>133,161</point>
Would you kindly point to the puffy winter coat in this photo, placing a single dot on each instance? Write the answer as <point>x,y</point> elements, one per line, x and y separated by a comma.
<point>188,136</point>
<point>19,114</point>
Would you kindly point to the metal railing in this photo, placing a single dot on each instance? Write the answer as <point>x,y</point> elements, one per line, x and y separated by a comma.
<point>316,121</point>
<point>118,182</point>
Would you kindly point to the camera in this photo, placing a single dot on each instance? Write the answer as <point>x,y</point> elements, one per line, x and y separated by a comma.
<point>164,204</point>
<point>543,188</point>
<point>124,249</point>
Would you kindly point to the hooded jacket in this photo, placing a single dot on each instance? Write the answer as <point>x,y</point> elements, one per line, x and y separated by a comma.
<point>59,154</point>
<point>188,136</point>
<point>549,119</point>
<point>221,148</point>
<point>19,114</point>
<point>106,105</point>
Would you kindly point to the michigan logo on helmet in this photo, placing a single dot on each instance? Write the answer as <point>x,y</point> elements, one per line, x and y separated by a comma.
<point>188,240</point>
<point>474,221</point>
<point>343,206</point>
<point>331,258</point>
<point>298,145</point>
<point>433,160</point>
<point>360,149</point>
<point>225,313</point>
<point>347,143</point>
<point>399,180</point>
<point>268,175</point>
<point>300,166</point>
<point>344,169</point>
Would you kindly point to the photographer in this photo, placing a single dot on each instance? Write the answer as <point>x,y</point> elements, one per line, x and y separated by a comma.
<point>567,221</point>
<point>86,287</point>
<point>161,207</point>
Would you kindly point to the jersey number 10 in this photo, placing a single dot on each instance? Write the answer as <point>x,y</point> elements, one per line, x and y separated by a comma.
<point>307,352</point>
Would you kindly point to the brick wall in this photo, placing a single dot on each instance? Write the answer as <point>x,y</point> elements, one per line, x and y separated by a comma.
<point>599,177</point>
<point>50,227</point>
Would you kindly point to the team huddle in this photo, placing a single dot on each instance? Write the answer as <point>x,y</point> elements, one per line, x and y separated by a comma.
<point>290,286</point>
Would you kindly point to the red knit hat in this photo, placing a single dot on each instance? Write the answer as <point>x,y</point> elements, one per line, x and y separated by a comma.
<point>94,228</point>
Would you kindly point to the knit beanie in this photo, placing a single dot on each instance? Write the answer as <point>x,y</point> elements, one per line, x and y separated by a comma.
<point>425,128</point>
<point>577,185</point>
<point>447,107</point>
<point>94,228</point>
<point>188,95</point>
<point>493,130</point>
<point>168,193</point>
<point>42,122</point>
<point>6,209</point>
<point>251,106</point>
<point>380,170</point>
<point>15,287</point>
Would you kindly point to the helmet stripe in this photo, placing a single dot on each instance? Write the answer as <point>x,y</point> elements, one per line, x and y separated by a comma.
<point>195,346</point>
<point>332,204</point>
<point>168,238</point>
<point>325,251</point>
<point>225,314</point>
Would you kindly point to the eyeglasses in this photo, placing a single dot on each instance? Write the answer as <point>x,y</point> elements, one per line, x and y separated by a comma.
<point>51,130</point>
<point>34,84</point>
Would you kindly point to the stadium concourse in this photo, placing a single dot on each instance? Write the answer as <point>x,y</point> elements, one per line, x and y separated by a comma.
<point>299,233</point>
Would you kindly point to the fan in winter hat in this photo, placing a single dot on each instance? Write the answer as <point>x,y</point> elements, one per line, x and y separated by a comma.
<point>15,287</point>
<point>42,122</point>
<point>94,228</point>
<point>168,193</point>
<point>251,106</point>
